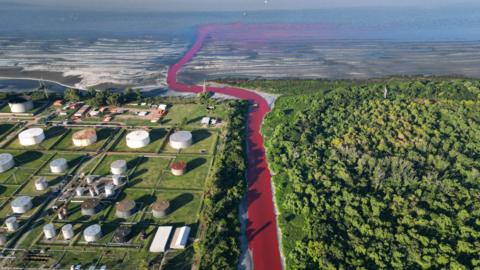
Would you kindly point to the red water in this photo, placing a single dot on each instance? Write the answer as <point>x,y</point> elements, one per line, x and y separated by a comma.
<point>261,224</point>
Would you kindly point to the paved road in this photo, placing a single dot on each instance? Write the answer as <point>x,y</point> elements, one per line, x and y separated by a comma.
<point>261,227</point>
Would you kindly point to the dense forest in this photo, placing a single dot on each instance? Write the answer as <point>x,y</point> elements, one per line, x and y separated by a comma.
<point>377,175</point>
<point>219,247</point>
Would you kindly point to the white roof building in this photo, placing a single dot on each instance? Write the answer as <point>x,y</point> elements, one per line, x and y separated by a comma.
<point>180,238</point>
<point>159,242</point>
<point>205,120</point>
<point>162,107</point>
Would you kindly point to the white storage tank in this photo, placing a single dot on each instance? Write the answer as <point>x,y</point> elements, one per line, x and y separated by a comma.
<point>118,167</point>
<point>181,140</point>
<point>67,231</point>
<point>12,224</point>
<point>138,139</point>
<point>92,233</point>
<point>84,137</point>
<point>31,136</point>
<point>59,165</point>
<point>79,191</point>
<point>20,105</point>
<point>21,204</point>
<point>109,190</point>
<point>6,162</point>
<point>49,231</point>
<point>117,179</point>
<point>41,183</point>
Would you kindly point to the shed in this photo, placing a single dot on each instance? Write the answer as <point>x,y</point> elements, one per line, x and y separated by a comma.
<point>160,240</point>
<point>180,237</point>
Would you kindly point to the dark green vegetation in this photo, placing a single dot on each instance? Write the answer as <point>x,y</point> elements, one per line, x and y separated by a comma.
<point>364,181</point>
<point>220,247</point>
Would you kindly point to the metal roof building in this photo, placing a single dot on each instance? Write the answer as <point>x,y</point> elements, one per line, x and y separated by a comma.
<point>160,240</point>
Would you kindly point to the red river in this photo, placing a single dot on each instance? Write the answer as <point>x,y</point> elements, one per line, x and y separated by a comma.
<point>261,225</point>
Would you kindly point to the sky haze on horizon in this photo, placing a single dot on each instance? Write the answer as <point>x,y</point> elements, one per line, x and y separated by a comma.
<point>218,5</point>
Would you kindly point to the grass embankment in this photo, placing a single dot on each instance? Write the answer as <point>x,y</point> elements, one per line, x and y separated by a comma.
<point>219,246</point>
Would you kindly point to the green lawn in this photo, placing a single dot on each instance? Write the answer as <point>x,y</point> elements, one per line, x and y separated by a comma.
<point>203,142</point>
<point>26,162</point>
<point>191,114</point>
<point>104,166</point>
<point>184,208</point>
<point>29,188</point>
<point>157,137</point>
<point>72,159</point>
<point>194,178</point>
<point>7,190</point>
<point>102,136</point>
<point>52,135</point>
<point>148,172</point>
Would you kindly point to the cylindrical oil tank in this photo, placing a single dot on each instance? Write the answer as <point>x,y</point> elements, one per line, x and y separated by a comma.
<point>3,239</point>
<point>90,179</point>
<point>79,191</point>
<point>117,179</point>
<point>178,167</point>
<point>67,231</point>
<point>31,136</point>
<point>41,183</point>
<point>20,105</point>
<point>125,208</point>
<point>59,165</point>
<point>49,231</point>
<point>138,139</point>
<point>21,204</point>
<point>109,190</point>
<point>92,233</point>
<point>84,137</point>
<point>118,167</point>
<point>12,224</point>
<point>89,207</point>
<point>6,162</point>
<point>160,208</point>
<point>181,140</point>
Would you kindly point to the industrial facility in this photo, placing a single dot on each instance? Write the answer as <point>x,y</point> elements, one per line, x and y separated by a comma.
<point>138,139</point>
<point>125,208</point>
<point>84,137</point>
<point>20,105</point>
<point>118,167</point>
<point>59,165</point>
<point>178,168</point>
<point>31,136</point>
<point>21,204</point>
<point>6,162</point>
<point>160,208</point>
<point>181,140</point>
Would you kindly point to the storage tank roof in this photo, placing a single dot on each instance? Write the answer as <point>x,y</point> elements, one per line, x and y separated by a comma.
<point>84,134</point>
<point>138,135</point>
<point>31,132</point>
<point>21,201</point>
<point>92,230</point>
<point>89,204</point>
<point>17,100</point>
<point>160,205</point>
<point>181,136</point>
<point>5,158</point>
<point>119,164</point>
<point>67,227</point>
<point>126,205</point>
<point>58,162</point>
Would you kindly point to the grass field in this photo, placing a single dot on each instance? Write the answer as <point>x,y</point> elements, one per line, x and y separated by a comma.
<point>157,137</point>
<point>191,114</point>
<point>104,166</point>
<point>102,136</point>
<point>52,135</point>
<point>194,178</point>
<point>148,172</point>
<point>72,160</point>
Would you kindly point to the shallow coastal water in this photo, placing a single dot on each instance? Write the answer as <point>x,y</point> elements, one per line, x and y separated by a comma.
<point>88,48</point>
